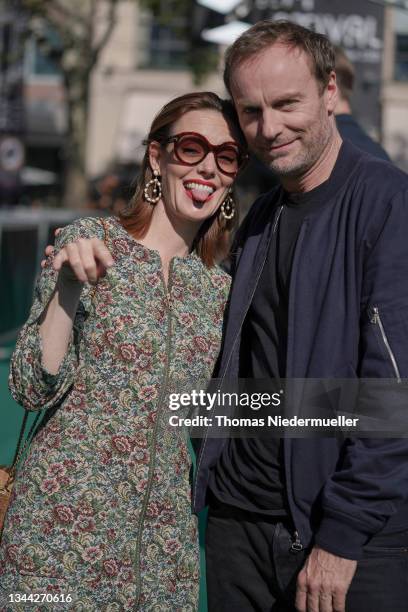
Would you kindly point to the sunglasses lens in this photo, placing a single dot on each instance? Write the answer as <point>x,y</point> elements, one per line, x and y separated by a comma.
<point>228,159</point>
<point>190,150</point>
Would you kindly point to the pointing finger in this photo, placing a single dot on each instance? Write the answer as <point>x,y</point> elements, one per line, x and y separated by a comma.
<point>88,260</point>
<point>60,259</point>
<point>75,261</point>
<point>103,254</point>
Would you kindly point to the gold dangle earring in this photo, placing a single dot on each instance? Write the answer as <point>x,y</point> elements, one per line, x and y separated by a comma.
<point>155,186</point>
<point>228,207</point>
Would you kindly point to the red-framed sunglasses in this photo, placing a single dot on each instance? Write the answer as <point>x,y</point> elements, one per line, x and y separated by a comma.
<point>190,148</point>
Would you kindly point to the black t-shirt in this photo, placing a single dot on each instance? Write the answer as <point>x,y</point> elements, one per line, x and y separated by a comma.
<point>249,474</point>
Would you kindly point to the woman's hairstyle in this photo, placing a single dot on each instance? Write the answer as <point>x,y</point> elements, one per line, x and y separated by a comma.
<point>212,240</point>
<point>266,33</point>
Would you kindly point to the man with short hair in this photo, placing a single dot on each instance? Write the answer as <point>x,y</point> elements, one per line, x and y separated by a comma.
<point>319,290</point>
<point>347,125</point>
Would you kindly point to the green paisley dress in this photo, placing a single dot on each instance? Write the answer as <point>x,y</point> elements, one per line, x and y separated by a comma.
<point>101,506</point>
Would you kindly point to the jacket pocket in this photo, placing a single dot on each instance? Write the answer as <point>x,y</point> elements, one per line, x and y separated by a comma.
<point>377,322</point>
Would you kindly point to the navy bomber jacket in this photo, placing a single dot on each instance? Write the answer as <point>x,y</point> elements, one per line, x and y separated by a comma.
<point>350,261</point>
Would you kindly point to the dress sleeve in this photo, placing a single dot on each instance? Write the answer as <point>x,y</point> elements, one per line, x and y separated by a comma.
<point>30,384</point>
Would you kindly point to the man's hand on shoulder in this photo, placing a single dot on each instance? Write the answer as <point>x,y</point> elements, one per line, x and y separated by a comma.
<point>323,583</point>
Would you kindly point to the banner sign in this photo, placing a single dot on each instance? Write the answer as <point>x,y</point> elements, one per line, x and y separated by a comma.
<point>355,25</point>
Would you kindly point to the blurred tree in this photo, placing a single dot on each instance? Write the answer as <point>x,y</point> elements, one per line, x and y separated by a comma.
<point>203,57</point>
<point>81,38</point>
<point>83,28</point>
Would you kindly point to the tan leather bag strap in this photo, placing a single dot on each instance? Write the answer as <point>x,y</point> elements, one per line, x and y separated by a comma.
<point>20,439</point>
<point>22,447</point>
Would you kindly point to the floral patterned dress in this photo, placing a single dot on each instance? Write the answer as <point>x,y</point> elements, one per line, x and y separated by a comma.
<point>101,506</point>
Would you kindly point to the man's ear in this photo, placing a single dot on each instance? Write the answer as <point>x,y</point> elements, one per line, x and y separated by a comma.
<point>154,155</point>
<point>331,93</point>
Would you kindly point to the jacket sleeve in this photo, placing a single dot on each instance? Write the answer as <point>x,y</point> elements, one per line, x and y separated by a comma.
<point>371,482</point>
<point>30,384</point>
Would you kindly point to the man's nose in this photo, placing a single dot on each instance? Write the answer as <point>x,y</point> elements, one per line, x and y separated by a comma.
<point>270,125</point>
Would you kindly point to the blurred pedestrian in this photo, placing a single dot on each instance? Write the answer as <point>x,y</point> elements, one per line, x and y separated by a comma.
<point>347,125</point>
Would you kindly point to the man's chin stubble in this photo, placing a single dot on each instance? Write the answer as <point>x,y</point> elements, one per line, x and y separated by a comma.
<point>292,171</point>
<point>296,169</point>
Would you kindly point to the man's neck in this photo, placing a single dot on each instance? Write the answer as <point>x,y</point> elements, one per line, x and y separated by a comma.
<point>319,172</point>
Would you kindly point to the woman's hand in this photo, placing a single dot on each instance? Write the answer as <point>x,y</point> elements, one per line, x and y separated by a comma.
<point>77,262</point>
<point>49,249</point>
<point>85,260</point>
<point>87,254</point>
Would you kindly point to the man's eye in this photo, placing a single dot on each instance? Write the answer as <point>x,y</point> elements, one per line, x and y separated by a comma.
<point>250,110</point>
<point>287,104</point>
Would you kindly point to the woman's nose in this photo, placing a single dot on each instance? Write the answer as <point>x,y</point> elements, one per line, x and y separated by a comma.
<point>208,165</point>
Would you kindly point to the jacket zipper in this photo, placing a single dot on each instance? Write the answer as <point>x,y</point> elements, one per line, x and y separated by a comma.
<point>274,227</point>
<point>277,217</point>
<point>376,320</point>
<point>143,511</point>
<point>296,545</point>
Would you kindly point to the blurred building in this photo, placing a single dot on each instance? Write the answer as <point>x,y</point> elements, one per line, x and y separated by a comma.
<point>394,91</point>
<point>46,123</point>
<point>12,116</point>
<point>145,64</point>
